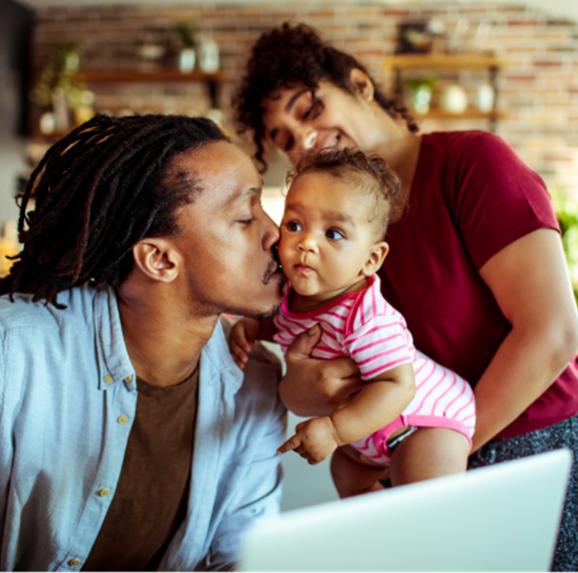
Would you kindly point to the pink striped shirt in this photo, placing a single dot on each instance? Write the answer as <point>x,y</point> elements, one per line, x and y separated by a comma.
<point>365,327</point>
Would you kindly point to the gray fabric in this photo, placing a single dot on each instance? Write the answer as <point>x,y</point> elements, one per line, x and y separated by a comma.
<point>563,434</point>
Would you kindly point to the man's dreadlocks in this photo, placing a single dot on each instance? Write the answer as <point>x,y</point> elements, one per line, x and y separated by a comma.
<point>96,193</point>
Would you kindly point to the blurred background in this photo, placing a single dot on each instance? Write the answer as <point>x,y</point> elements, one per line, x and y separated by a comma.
<point>507,67</point>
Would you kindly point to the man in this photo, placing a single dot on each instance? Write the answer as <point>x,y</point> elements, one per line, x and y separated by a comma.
<point>129,439</point>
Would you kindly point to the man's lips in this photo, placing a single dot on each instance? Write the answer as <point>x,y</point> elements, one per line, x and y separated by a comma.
<point>273,270</point>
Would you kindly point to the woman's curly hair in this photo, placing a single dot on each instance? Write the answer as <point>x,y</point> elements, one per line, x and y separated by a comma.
<point>285,57</point>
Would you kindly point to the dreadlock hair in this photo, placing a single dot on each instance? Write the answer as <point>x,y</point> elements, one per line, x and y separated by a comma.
<point>285,57</point>
<point>96,193</point>
<point>369,174</point>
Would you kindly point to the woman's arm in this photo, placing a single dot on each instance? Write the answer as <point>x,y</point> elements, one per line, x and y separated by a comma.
<point>529,280</point>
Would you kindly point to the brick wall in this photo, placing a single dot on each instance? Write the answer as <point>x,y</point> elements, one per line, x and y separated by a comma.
<point>538,89</point>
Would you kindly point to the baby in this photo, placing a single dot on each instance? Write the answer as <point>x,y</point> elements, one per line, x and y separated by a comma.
<point>414,419</point>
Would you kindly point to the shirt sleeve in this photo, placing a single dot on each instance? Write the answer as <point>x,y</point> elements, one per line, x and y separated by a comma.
<point>493,195</point>
<point>379,344</point>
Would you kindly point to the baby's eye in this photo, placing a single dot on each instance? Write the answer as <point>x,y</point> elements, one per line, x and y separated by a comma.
<point>334,235</point>
<point>294,226</point>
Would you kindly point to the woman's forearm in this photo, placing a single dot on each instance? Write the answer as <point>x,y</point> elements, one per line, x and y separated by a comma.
<point>523,368</point>
<point>530,282</point>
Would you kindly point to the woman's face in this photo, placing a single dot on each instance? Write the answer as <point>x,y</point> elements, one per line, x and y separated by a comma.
<point>297,120</point>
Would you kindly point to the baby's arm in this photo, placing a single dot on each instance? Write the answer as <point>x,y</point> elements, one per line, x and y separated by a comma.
<point>243,335</point>
<point>380,402</point>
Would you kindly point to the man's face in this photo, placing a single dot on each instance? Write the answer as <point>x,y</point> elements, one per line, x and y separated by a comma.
<point>225,237</point>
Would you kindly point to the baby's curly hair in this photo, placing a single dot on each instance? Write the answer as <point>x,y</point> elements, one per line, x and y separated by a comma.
<point>369,174</point>
<point>285,57</point>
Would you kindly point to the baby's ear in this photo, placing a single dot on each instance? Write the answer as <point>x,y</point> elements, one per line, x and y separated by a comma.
<point>375,258</point>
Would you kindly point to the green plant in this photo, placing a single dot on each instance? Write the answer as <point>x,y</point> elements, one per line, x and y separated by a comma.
<point>567,215</point>
<point>186,31</point>
<point>60,73</point>
<point>415,84</point>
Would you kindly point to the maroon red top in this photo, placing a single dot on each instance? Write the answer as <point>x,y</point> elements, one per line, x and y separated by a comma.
<point>471,197</point>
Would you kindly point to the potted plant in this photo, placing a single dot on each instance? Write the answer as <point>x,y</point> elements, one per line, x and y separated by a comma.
<point>187,55</point>
<point>59,88</point>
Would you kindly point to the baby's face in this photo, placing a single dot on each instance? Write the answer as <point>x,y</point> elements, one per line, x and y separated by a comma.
<point>326,236</point>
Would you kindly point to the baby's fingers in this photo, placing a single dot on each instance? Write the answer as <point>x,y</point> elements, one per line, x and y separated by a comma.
<point>291,444</point>
<point>239,355</point>
<point>240,337</point>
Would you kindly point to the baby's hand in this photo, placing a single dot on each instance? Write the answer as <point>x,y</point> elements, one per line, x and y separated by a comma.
<point>242,339</point>
<point>315,440</point>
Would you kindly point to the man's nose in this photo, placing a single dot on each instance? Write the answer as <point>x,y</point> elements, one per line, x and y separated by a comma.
<point>271,234</point>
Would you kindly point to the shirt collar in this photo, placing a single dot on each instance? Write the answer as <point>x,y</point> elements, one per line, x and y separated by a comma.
<point>114,365</point>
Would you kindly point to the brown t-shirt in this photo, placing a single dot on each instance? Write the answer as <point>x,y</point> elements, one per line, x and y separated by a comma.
<point>150,501</point>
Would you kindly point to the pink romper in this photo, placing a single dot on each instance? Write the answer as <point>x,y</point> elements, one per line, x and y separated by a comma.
<point>363,326</point>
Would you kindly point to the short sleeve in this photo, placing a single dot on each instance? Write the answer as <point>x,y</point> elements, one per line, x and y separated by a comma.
<point>494,197</point>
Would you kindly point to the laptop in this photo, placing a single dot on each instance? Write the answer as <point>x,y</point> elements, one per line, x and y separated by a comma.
<point>499,518</point>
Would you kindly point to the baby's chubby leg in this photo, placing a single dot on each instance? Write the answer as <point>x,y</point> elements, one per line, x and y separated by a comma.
<point>352,475</point>
<point>429,453</point>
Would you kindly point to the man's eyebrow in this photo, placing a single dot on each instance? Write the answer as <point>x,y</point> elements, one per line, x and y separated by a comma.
<point>288,107</point>
<point>247,193</point>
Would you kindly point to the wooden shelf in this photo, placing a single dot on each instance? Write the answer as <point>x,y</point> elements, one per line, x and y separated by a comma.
<point>470,113</point>
<point>400,63</point>
<point>160,75</point>
<point>442,62</point>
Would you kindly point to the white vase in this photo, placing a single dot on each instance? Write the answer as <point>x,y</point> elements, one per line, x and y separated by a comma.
<point>485,98</point>
<point>187,59</point>
<point>454,99</point>
<point>209,56</point>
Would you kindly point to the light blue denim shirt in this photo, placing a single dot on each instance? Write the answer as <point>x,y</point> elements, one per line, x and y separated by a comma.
<point>67,402</point>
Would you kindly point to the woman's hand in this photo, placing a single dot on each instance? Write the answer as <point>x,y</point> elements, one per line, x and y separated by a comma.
<point>313,387</point>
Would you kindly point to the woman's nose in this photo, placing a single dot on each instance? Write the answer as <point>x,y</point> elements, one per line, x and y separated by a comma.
<point>305,138</point>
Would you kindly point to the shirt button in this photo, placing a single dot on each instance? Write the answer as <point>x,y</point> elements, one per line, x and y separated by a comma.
<point>104,492</point>
<point>108,378</point>
<point>128,378</point>
<point>122,419</point>
<point>74,562</point>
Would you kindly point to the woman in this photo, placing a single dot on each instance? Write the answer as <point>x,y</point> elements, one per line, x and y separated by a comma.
<point>476,263</point>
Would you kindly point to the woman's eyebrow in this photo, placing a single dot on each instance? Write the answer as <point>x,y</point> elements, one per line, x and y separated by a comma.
<point>294,98</point>
<point>288,106</point>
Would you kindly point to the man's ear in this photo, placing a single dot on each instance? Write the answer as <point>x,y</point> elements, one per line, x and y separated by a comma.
<point>361,84</point>
<point>157,259</point>
<point>375,258</point>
